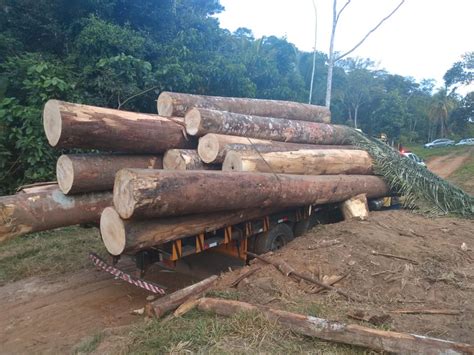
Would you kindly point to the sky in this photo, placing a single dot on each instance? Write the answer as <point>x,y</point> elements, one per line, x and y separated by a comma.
<point>422,39</point>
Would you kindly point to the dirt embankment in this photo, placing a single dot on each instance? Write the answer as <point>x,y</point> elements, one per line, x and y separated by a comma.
<point>446,165</point>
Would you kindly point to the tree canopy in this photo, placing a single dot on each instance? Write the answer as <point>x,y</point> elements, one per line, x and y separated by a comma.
<point>123,53</point>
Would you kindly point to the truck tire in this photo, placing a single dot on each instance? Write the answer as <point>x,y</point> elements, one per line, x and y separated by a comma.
<point>274,239</point>
<point>301,227</point>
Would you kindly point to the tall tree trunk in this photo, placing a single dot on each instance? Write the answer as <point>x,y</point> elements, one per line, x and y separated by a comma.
<point>356,112</point>
<point>331,60</point>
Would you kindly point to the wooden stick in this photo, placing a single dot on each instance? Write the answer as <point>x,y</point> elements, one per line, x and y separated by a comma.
<point>339,332</point>
<point>246,274</point>
<point>172,301</point>
<point>301,276</point>
<point>335,281</point>
<point>395,257</point>
<point>449,312</point>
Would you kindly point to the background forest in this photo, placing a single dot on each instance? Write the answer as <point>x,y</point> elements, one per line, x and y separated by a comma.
<point>122,53</point>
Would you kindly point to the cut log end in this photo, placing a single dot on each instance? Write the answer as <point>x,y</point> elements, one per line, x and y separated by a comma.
<point>173,160</point>
<point>65,174</point>
<point>165,105</point>
<point>52,122</point>
<point>232,162</point>
<point>123,194</point>
<point>192,120</point>
<point>112,230</point>
<point>208,148</point>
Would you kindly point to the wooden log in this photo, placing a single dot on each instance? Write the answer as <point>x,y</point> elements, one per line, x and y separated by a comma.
<point>185,159</point>
<point>355,207</point>
<point>305,162</point>
<point>212,148</point>
<point>203,121</point>
<point>155,193</point>
<point>69,125</point>
<point>129,236</point>
<point>172,301</point>
<point>352,334</point>
<point>176,104</point>
<point>79,173</point>
<point>45,208</point>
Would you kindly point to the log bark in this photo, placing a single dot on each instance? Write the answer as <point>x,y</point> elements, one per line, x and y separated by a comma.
<point>44,208</point>
<point>155,193</point>
<point>172,301</point>
<point>185,159</point>
<point>175,104</point>
<point>70,125</point>
<point>203,121</point>
<point>305,162</point>
<point>355,207</point>
<point>129,236</point>
<point>352,334</point>
<point>212,148</point>
<point>79,173</point>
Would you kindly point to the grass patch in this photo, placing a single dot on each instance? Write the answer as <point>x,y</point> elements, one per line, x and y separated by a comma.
<point>243,333</point>
<point>57,251</point>
<point>425,153</point>
<point>89,344</point>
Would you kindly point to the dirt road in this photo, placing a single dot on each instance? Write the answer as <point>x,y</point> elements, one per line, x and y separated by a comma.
<point>445,165</point>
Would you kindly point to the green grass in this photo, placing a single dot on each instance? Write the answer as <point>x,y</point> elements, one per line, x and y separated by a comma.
<point>50,252</point>
<point>425,153</point>
<point>89,344</point>
<point>243,333</point>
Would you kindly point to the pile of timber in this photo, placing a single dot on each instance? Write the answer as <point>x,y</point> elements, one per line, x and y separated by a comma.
<point>202,163</point>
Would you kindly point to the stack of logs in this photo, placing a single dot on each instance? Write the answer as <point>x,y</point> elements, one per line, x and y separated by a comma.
<point>203,163</point>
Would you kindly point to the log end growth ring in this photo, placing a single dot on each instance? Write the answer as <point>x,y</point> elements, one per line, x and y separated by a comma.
<point>65,174</point>
<point>123,193</point>
<point>232,162</point>
<point>112,230</point>
<point>192,120</point>
<point>52,122</point>
<point>173,160</point>
<point>165,105</point>
<point>208,148</point>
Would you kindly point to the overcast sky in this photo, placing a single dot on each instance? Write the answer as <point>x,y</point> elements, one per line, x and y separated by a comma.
<point>423,39</point>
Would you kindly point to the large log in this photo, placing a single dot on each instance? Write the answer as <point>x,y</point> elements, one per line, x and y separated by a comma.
<point>172,301</point>
<point>155,193</point>
<point>129,236</point>
<point>78,173</point>
<point>46,207</point>
<point>185,159</point>
<point>201,121</point>
<point>305,161</point>
<point>212,148</point>
<point>176,104</point>
<point>352,334</point>
<point>70,125</point>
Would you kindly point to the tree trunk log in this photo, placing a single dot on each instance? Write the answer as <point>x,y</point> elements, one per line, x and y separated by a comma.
<point>306,162</point>
<point>202,121</point>
<point>155,193</point>
<point>339,332</point>
<point>45,208</point>
<point>79,173</point>
<point>172,301</point>
<point>129,236</point>
<point>70,125</point>
<point>212,148</point>
<point>175,104</point>
<point>355,207</point>
<point>185,159</point>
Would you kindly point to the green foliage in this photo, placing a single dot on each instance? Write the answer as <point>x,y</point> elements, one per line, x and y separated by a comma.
<point>122,53</point>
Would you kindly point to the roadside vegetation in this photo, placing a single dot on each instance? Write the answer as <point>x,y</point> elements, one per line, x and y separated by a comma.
<point>55,252</point>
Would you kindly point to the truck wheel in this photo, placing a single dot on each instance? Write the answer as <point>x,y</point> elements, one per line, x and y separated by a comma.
<point>274,239</point>
<point>301,227</point>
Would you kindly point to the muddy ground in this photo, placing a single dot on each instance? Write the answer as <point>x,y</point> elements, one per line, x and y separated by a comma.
<point>52,314</point>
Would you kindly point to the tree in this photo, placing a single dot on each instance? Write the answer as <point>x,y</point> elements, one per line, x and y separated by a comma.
<point>335,57</point>
<point>461,73</point>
